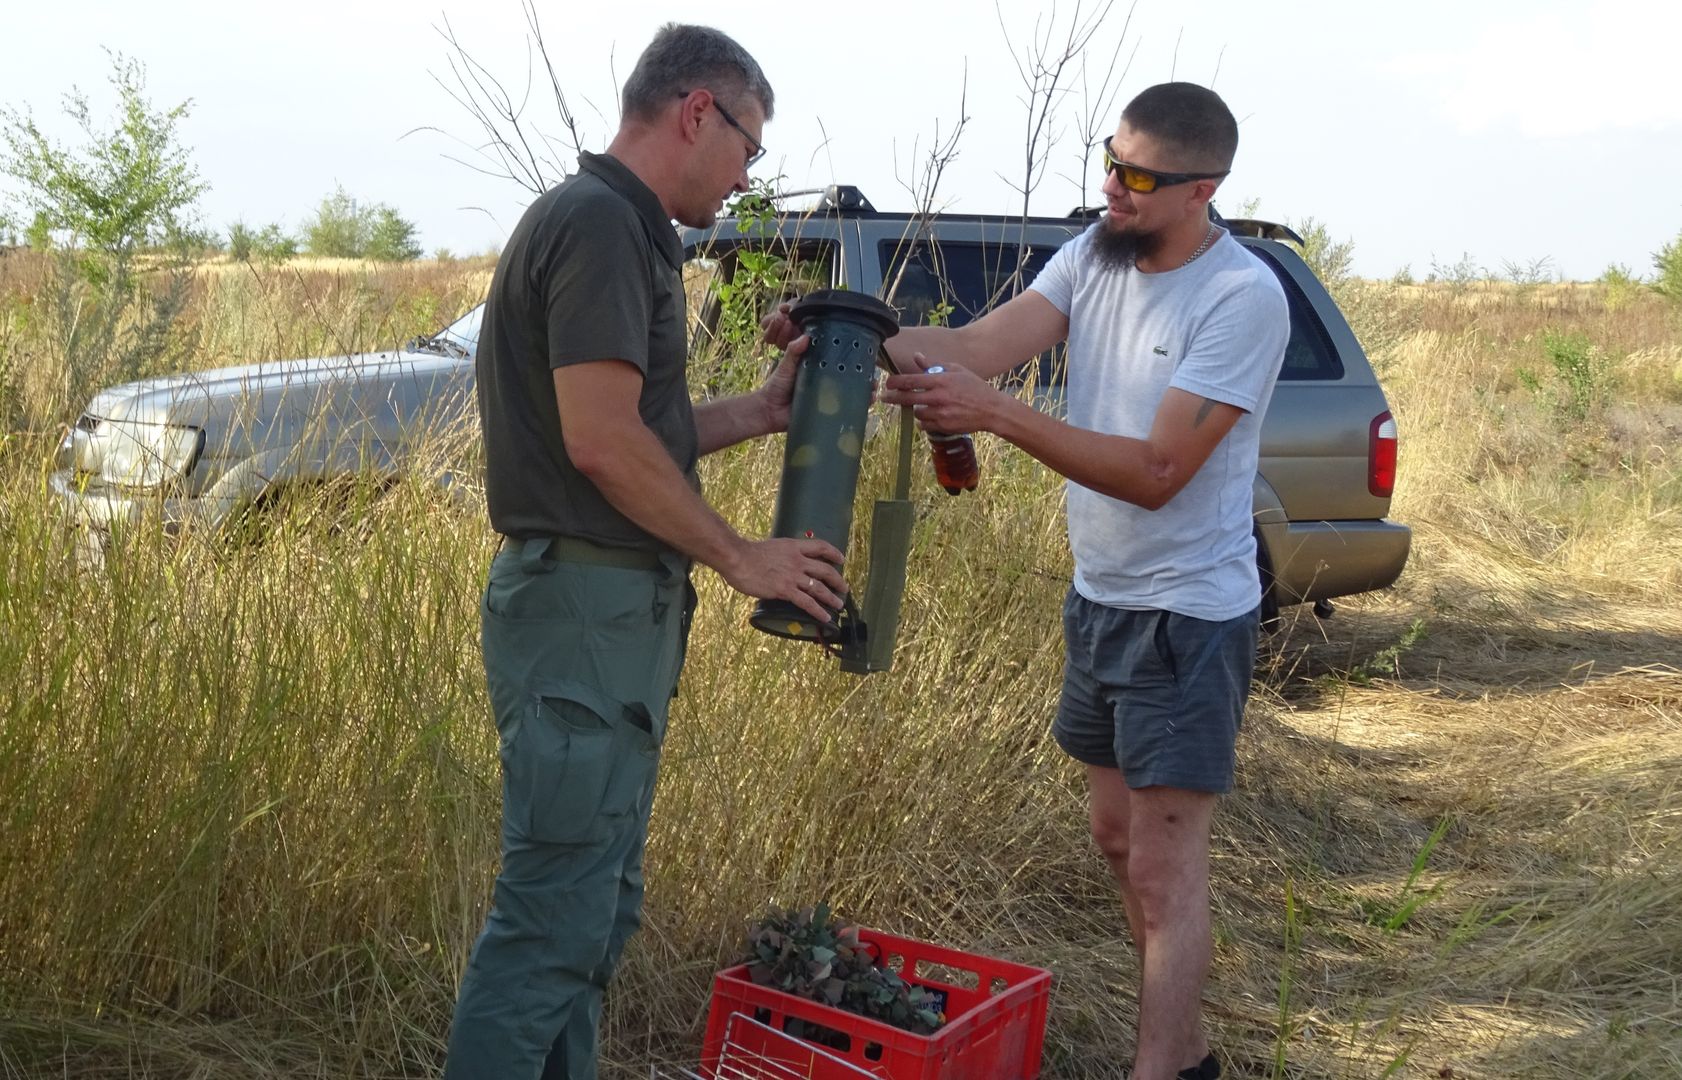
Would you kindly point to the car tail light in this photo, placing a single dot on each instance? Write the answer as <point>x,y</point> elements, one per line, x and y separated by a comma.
<point>1381,456</point>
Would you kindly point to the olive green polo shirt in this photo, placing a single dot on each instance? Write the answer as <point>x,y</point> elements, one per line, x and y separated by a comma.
<point>593,271</point>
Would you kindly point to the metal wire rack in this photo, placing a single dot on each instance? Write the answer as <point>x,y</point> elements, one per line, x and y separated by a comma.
<point>756,1051</point>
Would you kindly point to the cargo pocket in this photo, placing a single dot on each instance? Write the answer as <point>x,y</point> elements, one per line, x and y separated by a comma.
<point>631,789</point>
<point>575,765</point>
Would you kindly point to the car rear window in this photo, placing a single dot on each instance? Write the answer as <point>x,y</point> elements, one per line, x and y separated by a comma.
<point>1309,355</point>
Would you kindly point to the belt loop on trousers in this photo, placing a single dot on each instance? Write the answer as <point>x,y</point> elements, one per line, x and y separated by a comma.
<point>531,555</point>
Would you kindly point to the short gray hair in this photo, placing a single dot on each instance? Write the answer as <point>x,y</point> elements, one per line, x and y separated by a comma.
<point>682,58</point>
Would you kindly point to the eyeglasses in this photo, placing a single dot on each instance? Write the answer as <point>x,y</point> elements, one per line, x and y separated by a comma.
<point>758,151</point>
<point>1144,181</point>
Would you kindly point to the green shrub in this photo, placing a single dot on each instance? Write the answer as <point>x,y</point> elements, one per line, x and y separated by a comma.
<point>275,245</point>
<point>1668,261</point>
<point>392,239</point>
<point>1620,286</point>
<point>242,241</point>
<point>1457,275</point>
<point>1580,375</point>
<point>271,245</point>
<point>342,228</point>
<point>129,187</point>
<point>1528,275</point>
<point>39,235</point>
<point>1330,259</point>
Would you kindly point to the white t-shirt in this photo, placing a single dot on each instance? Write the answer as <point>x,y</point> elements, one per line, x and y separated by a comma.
<point>1217,328</point>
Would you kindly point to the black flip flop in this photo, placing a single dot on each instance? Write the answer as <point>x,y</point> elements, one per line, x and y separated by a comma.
<point>1207,1069</point>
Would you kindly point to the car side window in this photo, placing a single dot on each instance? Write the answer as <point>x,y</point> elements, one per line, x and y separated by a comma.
<point>953,283</point>
<point>1309,354</point>
<point>731,287</point>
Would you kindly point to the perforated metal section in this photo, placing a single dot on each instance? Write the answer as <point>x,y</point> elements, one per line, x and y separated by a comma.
<point>841,346</point>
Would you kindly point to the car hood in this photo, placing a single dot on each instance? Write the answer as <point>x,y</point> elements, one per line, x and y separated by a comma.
<point>201,398</point>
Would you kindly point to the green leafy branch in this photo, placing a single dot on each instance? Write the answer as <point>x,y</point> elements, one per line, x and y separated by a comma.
<point>811,954</point>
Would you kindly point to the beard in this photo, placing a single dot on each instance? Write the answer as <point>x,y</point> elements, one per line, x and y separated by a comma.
<point>1116,249</point>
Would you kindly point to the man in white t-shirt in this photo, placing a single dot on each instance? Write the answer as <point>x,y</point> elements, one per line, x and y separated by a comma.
<point>1176,334</point>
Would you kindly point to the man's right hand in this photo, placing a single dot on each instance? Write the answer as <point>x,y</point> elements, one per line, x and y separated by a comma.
<point>804,572</point>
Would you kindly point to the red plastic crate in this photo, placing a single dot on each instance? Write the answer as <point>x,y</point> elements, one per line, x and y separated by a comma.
<point>994,1030</point>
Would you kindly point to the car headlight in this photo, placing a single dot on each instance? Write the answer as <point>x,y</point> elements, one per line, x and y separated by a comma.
<point>141,455</point>
<point>80,448</point>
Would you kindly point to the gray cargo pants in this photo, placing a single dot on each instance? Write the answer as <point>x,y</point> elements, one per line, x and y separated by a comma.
<point>582,646</point>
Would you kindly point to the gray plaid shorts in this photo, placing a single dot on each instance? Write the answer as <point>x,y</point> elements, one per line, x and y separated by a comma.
<point>1157,694</point>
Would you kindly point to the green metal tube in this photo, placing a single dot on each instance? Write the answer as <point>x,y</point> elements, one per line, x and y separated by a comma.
<point>825,434</point>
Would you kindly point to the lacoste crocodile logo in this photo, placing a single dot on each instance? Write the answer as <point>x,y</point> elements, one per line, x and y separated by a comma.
<point>1160,351</point>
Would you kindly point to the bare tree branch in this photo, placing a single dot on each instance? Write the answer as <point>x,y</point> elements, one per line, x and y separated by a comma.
<point>1043,68</point>
<point>512,146</point>
<point>925,188</point>
<point>822,147</point>
<point>561,105</point>
<point>1098,109</point>
<point>1056,54</point>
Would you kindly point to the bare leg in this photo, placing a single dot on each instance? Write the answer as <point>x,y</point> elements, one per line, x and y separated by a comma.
<point>1110,804</point>
<point>1168,868</point>
<point>1156,841</point>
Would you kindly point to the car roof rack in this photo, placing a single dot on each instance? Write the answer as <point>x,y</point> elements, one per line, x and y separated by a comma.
<point>846,200</point>
<point>834,199</point>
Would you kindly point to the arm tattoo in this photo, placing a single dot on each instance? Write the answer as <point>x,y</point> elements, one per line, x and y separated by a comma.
<point>1203,412</point>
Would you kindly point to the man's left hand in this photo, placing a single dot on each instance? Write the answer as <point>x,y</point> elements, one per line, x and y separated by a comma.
<point>776,393</point>
<point>779,328</point>
<point>954,400</point>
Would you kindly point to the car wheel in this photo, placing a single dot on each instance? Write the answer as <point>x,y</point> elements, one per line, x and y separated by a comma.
<point>314,504</point>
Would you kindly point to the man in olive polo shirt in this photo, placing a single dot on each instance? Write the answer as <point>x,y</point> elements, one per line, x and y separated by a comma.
<point>591,445</point>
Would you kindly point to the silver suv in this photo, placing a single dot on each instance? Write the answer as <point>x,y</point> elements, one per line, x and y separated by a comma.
<point>1328,450</point>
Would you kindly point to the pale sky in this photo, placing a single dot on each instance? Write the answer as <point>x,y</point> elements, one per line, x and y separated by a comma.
<point>1503,130</point>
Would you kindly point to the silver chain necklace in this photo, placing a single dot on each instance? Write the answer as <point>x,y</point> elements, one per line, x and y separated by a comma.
<point>1208,238</point>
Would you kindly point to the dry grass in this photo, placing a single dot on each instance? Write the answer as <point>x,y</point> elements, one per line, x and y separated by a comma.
<point>251,792</point>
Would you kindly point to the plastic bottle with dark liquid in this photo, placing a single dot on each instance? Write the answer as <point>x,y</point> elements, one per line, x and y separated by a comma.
<point>954,457</point>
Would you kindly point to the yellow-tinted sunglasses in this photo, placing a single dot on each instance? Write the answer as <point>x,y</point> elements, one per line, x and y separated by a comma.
<point>1144,181</point>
